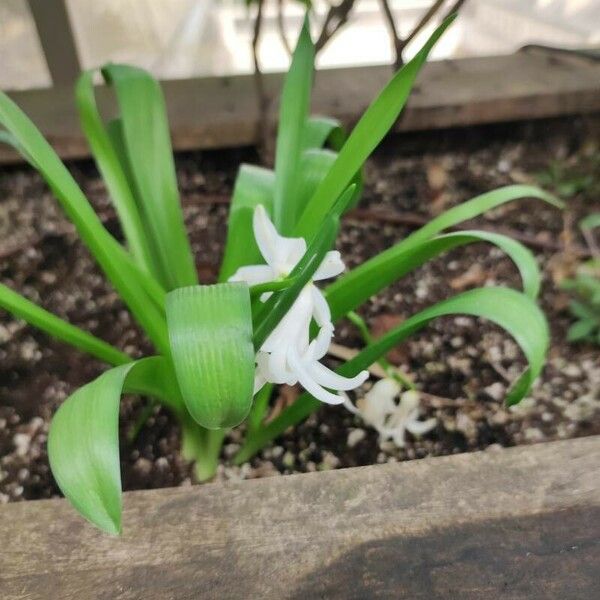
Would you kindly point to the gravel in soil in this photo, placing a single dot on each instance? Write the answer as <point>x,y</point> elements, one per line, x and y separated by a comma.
<point>462,365</point>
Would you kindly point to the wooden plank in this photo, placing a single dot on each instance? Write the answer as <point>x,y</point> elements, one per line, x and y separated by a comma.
<point>222,112</point>
<point>517,523</point>
<point>56,37</point>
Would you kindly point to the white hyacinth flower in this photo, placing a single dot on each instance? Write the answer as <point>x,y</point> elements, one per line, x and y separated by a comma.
<point>389,418</point>
<point>287,355</point>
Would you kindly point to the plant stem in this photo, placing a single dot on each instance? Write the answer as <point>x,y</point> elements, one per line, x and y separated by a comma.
<point>208,460</point>
<point>259,408</point>
<point>203,446</point>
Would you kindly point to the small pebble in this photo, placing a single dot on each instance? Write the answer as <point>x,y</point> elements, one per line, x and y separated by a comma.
<point>355,436</point>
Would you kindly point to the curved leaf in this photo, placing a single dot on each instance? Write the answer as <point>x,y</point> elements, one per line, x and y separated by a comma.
<point>511,310</point>
<point>321,131</point>
<point>132,284</point>
<point>210,329</point>
<point>148,145</point>
<point>477,206</point>
<point>83,442</point>
<point>109,166</point>
<point>369,278</point>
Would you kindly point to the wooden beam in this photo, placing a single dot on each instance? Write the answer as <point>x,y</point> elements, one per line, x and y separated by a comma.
<point>56,36</point>
<point>521,523</point>
<point>219,112</point>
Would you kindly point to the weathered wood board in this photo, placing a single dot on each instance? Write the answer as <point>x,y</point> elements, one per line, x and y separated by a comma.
<point>223,112</point>
<point>522,523</point>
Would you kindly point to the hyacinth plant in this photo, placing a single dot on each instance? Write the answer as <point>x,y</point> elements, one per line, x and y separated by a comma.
<point>221,349</point>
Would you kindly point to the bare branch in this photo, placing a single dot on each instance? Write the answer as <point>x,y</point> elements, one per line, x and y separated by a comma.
<point>423,22</point>
<point>256,35</point>
<point>281,27</point>
<point>454,8</point>
<point>396,41</point>
<point>400,44</point>
<point>261,94</point>
<point>336,18</point>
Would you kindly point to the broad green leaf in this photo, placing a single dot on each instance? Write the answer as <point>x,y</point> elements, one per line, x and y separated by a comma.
<point>253,186</point>
<point>131,283</point>
<point>293,113</point>
<point>83,442</point>
<point>210,330</point>
<point>369,278</point>
<point>35,315</point>
<point>511,310</point>
<point>321,131</point>
<point>148,145</point>
<point>114,176</point>
<point>369,131</point>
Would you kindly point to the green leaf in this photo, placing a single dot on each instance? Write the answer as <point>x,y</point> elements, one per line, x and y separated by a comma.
<point>580,330</point>
<point>590,222</point>
<point>253,186</point>
<point>114,176</point>
<point>581,310</point>
<point>511,310</point>
<point>210,329</point>
<point>368,279</point>
<point>321,131</point>
<point>370,130</point>
<point>148,144</point>
<point>35,315</point>
<point>293,113</point>
<point>83,442</point>
<point>132,284</point>
<point>477,206</point>
<point>314,166</point>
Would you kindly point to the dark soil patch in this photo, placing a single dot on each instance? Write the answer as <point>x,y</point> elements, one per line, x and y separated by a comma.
<point>463,365</point>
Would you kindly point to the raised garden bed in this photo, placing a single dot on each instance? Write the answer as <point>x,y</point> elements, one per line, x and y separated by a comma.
<point>462,367</point>
<point>218,112</point>
<point>521,523</point>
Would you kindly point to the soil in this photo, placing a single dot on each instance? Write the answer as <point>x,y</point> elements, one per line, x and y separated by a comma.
<point>462,365</point>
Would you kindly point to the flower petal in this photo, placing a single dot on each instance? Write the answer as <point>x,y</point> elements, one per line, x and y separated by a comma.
<point>278,369</point>
<point>259,381</point>
<point>321,311</point>
<point>308,383</point>
<point>253,274</point>
<point>320,345</point>
<point>281,253</point>
<point>420,428</point>
<point>265,234</point>
<point>326,377</point>
<point>293,329</point>
<point>331,266</point>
